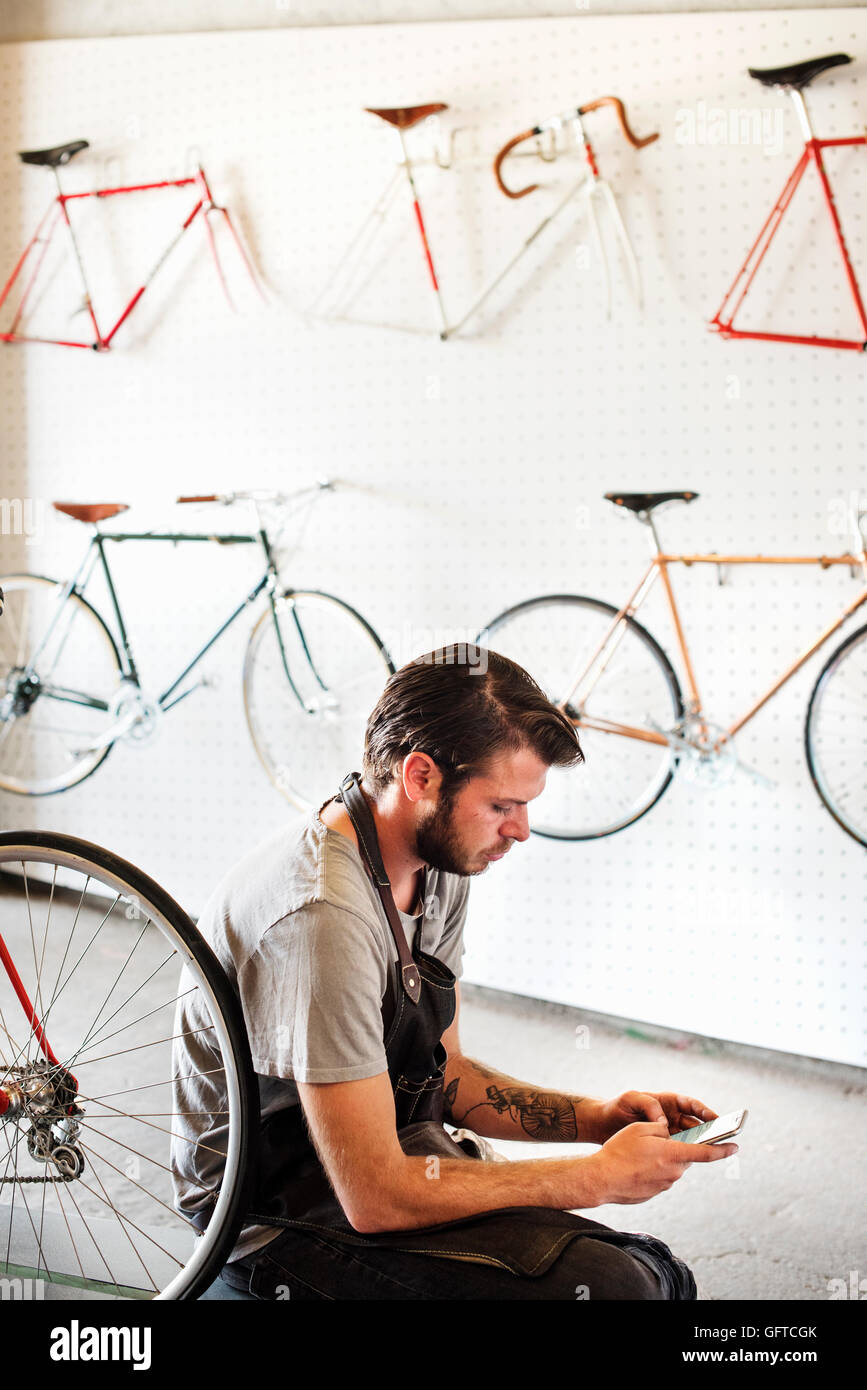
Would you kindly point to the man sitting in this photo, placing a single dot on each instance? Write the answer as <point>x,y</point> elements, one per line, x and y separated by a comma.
<point>343,935</point>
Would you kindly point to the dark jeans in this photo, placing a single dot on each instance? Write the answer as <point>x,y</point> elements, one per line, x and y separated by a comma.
<point>597,1264</point>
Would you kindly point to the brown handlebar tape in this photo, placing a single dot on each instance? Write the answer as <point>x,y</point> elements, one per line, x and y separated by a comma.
<point>638,142</point>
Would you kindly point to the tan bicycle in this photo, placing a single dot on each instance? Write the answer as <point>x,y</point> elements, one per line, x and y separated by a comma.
<point>619,688</point>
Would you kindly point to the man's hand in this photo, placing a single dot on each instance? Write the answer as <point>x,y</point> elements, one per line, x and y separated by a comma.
<point>679,1112</point>
<point>642,1160</point>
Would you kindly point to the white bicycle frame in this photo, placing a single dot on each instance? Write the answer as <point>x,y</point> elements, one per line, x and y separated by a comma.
<point>343,285</point>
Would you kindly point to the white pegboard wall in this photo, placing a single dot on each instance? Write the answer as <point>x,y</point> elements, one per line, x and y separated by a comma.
<point>475,468</point>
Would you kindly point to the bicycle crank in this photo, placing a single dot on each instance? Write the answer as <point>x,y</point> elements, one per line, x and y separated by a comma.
<point>135,719</point>
<point>706,754</point>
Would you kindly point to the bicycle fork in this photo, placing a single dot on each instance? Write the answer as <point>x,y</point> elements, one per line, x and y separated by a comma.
<point>598,187</point>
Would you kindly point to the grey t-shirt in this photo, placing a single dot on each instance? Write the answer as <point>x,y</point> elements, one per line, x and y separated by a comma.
<point>302,935</point>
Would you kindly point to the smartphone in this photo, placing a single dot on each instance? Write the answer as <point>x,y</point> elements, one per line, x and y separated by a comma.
<point>714,1131</point>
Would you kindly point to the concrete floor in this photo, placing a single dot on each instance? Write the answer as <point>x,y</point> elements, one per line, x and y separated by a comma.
<point>781,1218</point>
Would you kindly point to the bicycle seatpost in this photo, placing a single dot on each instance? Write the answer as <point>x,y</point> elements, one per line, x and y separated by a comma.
<point>646,519</point>
<point>654,534</point>
<point>801,109</point>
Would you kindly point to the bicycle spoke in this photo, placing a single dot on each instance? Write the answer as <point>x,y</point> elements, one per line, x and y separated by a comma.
<point>72,972</point>
<point>132,951</point>
<point>153,1114</point>
<point>104,1037</point>
<point>173,1037</point>
<point>67,980</point>
<point>83,1219</point>
<point>123,1222</point>
<point>122,1144</point>
<point>36,1236</point>
<point>150,1085</point>
<point>87,1148</point>
<point>121,1115</point>
<point>37,965</point>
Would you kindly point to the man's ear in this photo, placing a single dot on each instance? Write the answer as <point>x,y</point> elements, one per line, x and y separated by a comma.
<point>421,777</point>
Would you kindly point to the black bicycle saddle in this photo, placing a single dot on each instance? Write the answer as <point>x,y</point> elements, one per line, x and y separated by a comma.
<point>61,154</point>
<point>646,501</point>
<point>798,75</point>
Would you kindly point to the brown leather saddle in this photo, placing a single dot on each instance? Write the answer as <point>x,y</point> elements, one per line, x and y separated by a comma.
<point>404,117</point>
<point>92,512</point>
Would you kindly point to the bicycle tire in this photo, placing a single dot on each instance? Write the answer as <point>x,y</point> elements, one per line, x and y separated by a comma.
<point>77,879</point>
<point>305,738</point>
<point>820,758</point>
<point>568,813</point>
<point>33,746</point>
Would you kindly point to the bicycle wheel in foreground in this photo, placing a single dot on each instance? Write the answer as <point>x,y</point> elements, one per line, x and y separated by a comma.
<point>60,678</point>
<point>313,671</point>
<point>554,639</point>
<point>836,735</point>
<point>98,966</point>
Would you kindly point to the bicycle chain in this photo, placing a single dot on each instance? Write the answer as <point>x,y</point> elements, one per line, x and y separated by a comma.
<point>68,1177</point>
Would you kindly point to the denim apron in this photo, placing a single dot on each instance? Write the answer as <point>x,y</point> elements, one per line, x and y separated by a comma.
<point>294,1192</point>
<point>292,1183</point>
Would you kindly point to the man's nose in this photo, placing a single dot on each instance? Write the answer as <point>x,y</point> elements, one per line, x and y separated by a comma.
<point>518,828</point>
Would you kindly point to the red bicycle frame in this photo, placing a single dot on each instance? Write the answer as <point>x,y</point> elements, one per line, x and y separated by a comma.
<point>723,320</point>
<point>30,1014</point>
<point>58,215</point>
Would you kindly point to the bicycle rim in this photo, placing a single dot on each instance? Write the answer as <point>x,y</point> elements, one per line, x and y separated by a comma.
<point>621,778</point>
<point>54,706</point>
<point>119,993</point>
<point>307,717</point>
<point>836,735</point>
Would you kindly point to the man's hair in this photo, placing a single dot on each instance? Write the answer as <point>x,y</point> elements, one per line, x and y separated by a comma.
<point>463,705</point>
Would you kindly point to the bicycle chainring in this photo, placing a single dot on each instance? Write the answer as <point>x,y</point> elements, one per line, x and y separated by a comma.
<point>130,703</point>
<point>705,754</point>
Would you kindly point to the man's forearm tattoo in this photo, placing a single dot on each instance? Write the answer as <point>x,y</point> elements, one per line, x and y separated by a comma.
<point>542,1115</point>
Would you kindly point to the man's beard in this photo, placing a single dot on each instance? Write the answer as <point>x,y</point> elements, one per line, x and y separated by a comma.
<point>437,842</point>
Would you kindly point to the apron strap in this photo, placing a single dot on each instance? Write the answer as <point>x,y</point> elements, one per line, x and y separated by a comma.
<point>364,826</point>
